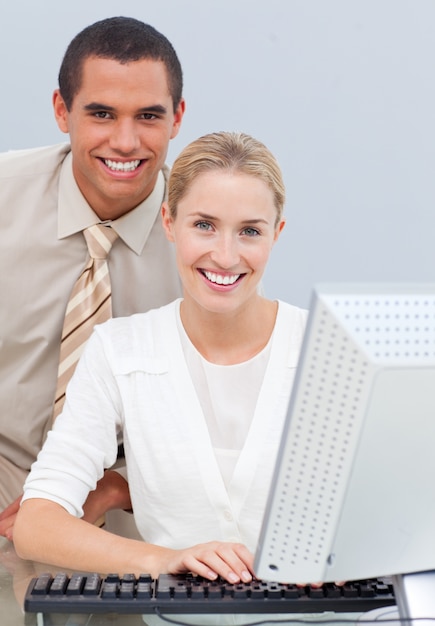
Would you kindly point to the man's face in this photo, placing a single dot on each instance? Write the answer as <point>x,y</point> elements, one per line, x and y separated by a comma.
<point>120,124</point>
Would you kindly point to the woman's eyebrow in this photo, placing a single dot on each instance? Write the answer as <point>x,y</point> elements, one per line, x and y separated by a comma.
<point>206,216</point>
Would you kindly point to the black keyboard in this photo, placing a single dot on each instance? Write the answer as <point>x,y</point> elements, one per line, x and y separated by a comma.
<point>92,593</point>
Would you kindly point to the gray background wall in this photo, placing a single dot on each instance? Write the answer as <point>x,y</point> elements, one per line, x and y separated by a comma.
<point>343,92</point>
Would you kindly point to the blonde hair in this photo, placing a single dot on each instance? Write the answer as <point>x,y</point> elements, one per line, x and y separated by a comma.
<point>232,152</point>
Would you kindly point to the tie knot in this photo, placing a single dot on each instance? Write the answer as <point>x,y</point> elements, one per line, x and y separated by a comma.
<point>99,239</point>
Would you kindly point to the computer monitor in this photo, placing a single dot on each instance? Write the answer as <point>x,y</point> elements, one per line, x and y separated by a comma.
<point>353,493</point>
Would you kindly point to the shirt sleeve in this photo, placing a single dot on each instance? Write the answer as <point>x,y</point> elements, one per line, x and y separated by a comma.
<point>83,441</point>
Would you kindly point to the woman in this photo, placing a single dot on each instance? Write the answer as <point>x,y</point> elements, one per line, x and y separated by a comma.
<point>198,388</point>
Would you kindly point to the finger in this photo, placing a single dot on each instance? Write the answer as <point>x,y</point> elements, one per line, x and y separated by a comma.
<point>232,562</point>
<point>10,509</point>
<point>6,529</point>
<point>5,526</point>
<point>9,534</point>
<point>209,564</point>
<point>246,557</point>
<point>187,562</point>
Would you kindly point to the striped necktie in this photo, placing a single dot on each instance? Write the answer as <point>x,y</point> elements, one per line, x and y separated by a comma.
<point>90,303</point>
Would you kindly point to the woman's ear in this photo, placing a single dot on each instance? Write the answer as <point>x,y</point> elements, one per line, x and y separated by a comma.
<point>167,221</point>
<point>279,229</point>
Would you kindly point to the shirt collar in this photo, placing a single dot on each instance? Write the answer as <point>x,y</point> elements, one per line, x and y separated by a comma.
<point>75,214</point>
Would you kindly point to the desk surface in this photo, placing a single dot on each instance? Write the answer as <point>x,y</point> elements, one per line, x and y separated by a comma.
<point>15,575</point>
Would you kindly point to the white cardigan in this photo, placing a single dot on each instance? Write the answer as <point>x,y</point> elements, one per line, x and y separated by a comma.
<point>133,378</point>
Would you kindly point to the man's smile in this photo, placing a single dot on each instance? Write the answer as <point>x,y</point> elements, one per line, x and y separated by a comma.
<point>122,166</point>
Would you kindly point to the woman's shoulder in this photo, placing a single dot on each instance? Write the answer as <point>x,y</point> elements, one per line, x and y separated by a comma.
<point>139,341</point>
<point>290,311</point>
<point>140,320</point>
<point>290,328</point>
<point>139,327</point>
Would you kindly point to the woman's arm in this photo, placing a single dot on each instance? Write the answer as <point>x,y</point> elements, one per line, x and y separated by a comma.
<point>111,493</point>
<point>44,531</point>
<point>83,442</point>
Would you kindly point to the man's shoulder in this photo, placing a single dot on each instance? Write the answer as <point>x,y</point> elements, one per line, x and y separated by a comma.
<point>32,160</point>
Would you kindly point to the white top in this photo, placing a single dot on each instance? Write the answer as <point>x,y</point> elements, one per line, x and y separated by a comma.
<point>133,377</point>
<point>228,395</point>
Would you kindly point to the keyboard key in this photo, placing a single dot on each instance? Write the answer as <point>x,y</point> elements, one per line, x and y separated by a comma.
<point>126,590</point>
<point>42,584</point>
<point>59,584</point>
<point>92,585</point>
<point>75,585</point>
<point>109,590</point>
<point>316,592</point>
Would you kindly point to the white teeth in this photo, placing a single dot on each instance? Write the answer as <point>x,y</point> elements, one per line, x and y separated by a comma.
<point>221,280</point>
<point>117,166</point>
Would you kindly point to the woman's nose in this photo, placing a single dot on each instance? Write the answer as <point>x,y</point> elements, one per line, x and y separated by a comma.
<point>226,252</point>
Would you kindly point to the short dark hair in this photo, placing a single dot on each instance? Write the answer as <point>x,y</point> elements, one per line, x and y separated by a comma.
<point>122,39</point>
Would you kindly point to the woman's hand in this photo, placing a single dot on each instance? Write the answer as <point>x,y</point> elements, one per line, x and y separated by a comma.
<point>231,561</point>
<point>45,532</point>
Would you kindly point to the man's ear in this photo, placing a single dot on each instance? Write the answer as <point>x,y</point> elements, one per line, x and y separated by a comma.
<point>167,221</point>
<point>60,111</point>
<point>178,117</point>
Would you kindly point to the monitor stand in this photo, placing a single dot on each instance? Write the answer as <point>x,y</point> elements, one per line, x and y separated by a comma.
<point>415,596</point>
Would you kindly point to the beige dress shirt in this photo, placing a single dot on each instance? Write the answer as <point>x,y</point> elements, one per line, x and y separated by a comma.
<point>42,252</point>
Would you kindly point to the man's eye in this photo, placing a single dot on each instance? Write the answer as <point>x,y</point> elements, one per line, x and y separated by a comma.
<point>148,116</point>
<point>102,115</point>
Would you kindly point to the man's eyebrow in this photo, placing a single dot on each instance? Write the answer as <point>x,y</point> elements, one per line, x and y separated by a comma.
<point>155,108</point>
<point>158,109</point>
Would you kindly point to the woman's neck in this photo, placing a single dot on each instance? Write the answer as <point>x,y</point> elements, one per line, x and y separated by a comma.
<point>229,338</point>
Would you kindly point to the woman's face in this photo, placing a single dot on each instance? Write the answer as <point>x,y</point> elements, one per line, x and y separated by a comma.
<point>224,231</point>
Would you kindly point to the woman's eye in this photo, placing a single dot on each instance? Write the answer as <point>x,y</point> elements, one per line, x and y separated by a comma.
<point>251,232</point>
<point>203,225</point>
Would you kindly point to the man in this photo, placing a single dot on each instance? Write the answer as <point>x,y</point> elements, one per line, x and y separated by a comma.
<point>120,101</point>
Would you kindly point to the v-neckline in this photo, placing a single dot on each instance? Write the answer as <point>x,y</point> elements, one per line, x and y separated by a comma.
<point>195,422</point>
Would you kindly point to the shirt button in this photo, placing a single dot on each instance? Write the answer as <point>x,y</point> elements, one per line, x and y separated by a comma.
<point>228,515</point>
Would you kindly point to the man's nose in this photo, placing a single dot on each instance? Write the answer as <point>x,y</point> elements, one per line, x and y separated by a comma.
<point>125,138</point>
